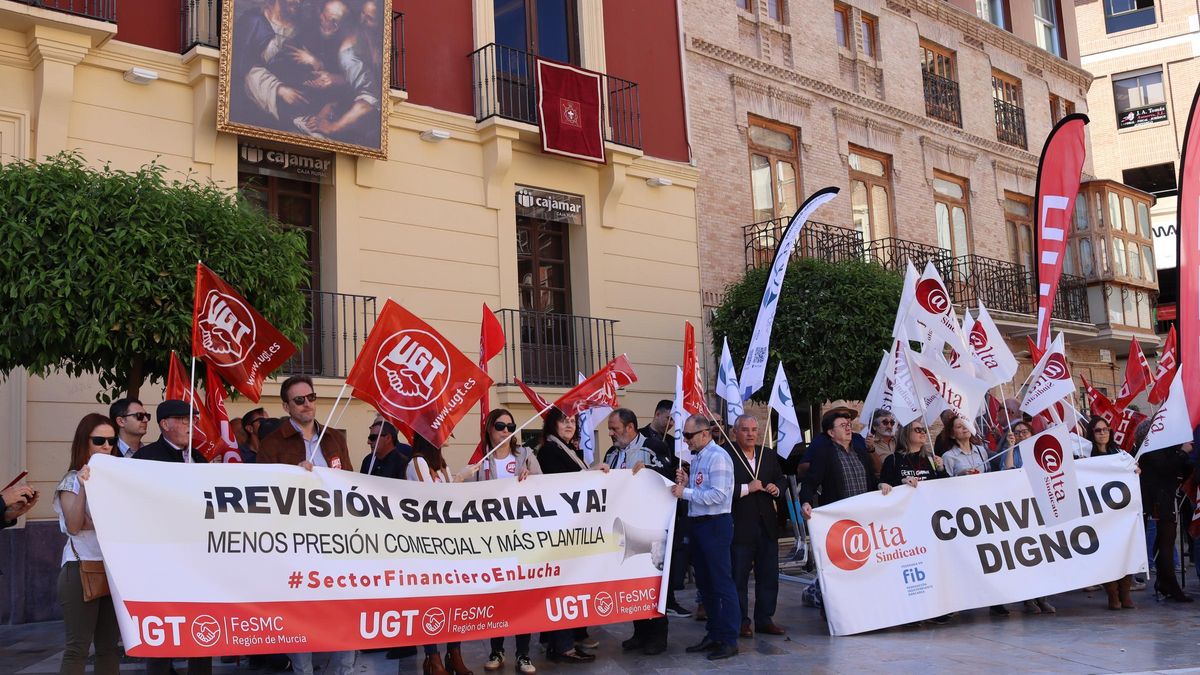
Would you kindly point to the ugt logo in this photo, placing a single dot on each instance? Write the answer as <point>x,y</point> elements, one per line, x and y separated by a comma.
<point>932,296</point>
<point>411,369</point>
<point>206,630</point>
<point>226,328</point>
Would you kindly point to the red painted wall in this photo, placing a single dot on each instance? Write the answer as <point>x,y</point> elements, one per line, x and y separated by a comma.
<point>438,40</point>
<point>150,23</point>
<point>641,42</point>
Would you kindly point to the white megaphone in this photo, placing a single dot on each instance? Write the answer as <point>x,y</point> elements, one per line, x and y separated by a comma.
<point>639,540</point>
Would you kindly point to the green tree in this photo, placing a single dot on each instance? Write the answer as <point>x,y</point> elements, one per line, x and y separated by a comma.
<point>98,267</point>
<point>831,325</point>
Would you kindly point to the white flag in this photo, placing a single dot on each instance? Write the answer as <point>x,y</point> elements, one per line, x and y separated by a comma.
<point>789,427</point>
<point>754,369</point>
<point>875,396</point>
<point>905,402</point>
<point>994,361</point>
<point>589,420</point>
<point>932,309</point>
<point>1049,464</point>
<point>903,327</point>
<point>959,390</point>
<point>1170,425</point>
<point>727,385</point>
<point>679,416</point>
<point>1051,380</point>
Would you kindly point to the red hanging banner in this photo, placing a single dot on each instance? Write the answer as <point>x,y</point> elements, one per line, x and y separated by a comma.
<point>1188,241</point>
<point>570,111</point>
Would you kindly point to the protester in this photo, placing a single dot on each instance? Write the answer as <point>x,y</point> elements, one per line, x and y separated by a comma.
<point>387,457</point>
<point>758,480</point>
<point>945,438</point>
<point>173,427</point>
<point>15,502</point>
<point>251,422</point>
<point>823,443</point>
<point>1162,473</point>
<point>294,441</point>
<point>559,453</point>
<point>132,420</point>
<point>882,440</point>
<point>838,470</point>
<point>1008,455</point>
<point>508,460</point>
<point>709,494</point>
<point>632,450</point>
<point>659,427</point>
<point>1100,434</point>
<point>913,461</point>
<point>86,621</point>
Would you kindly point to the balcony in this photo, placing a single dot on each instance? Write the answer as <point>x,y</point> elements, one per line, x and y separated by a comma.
<point>894,254</point>
<point>505,85</point>
<point>335,327</point>
<point>1071,301</point>
<point>941,99</point>
<point>548,349</point>
<point>1010,124</point>
<point>998,284</point>
<point>200,25</point>
<point>102,10</point>
<point>817,240</point>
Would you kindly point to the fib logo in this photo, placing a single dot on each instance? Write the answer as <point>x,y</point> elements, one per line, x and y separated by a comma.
<point>1048,453</point>
<point>931,295</point>
<point>411,369</point>
<point>206,630</point>
<point>850,544</point>
<point>226,328</point>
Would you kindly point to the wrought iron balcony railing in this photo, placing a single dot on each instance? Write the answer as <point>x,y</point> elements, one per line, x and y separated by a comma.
<point>998,284</point>
<point>1010,124</point>
<point>505,85</point>
<point>817,240</point>
<point>941,99</point>
<point>548,349</point>
<point>1071,301</point>
<point>335,327</point>
<point>104,10</point>
<point>894,254</point>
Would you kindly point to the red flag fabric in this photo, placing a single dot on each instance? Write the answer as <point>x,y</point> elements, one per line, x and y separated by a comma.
<point>1164,372</point>
<point>569,112</point>
<point>228,333</point>
<point>214,391</point>
<point>599,390</point>
<point>693,385</point>
<point>1035,352</point>
<point>1137,375</point>
<point>204,432</point>
<point>1122,422</point>
<point>1057,185</point>
<point>539,403</point>
<point>414,377</point>
<point>1188,257</point>
<point>491,343</point>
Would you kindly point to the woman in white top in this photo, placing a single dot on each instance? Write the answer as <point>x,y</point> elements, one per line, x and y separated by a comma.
<point>507,460</point>
<point>966,456</point>
<point>428,466</point>
<point>85,621</point>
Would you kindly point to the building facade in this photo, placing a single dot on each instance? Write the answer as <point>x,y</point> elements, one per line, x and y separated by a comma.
<point>930,117</point>
<point>582,261</point>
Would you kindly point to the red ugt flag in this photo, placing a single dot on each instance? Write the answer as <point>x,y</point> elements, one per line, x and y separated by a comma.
<point>1137,375</point>
<point>491,343</point>
<point>1057,186</point>
<point>414,377</point>
<point>693,386</point>
<point>538,402</point>
<point>599,390</point>
<point>569,111</point>
<point>215,393</point>
<point>204,432</point>
<point>229,334</point>
<point>1164,372</point>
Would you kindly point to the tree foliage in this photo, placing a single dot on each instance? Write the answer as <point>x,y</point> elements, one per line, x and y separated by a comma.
<point>831,326</point>
<point>98,267</point>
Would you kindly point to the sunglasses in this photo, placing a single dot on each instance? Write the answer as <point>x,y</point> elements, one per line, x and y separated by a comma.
<point>920,430</point>
<point>104,440</point>
<point>372,437</point>
<point>1101,430</point>
<point>141,417</point>
<point>501,426</point>
<point>689,435</point>
<point>888,423</point>
<point>299,400</point>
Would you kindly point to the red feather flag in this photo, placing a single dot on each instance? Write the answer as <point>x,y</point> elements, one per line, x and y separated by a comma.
<point>540,404</point>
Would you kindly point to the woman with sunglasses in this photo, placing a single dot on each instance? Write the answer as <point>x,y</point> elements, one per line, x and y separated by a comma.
<point>913,461</point>
<point>1100,434</point>
<point>86,621</point>
<point>507,460</point>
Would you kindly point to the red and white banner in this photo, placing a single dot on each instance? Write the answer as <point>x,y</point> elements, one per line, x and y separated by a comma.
<point>1050,381</point>
<point>279,559</point>
<point>415,377</point>
<point>1137,375</point>
<point>599,390</point>
<point>1050,468</point>
<point>1057,185</point>
<point>204,431</point>
<point>1188,241</point>
<point>693,384</point>
<point>1164,371</point>
<point>214,392</point>
<point>954,544</point>
<point>231,335</point>
<point>569,111</point>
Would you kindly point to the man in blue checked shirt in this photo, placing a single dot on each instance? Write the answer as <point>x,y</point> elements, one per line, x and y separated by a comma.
<point>709,493</point>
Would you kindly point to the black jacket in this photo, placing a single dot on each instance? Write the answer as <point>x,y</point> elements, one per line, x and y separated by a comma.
<point>394,465</point>
<point>756,509</point>
<point>553,459</point>
<point>5,523</point>
<point>1162,473</point>
<point>824,475</point>
<point>161,451</point>
<point>900,465</point>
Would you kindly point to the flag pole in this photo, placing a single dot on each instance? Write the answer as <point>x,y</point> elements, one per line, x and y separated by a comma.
<point>501,444</point>
<point>375,447</point>
<point>191,410</point>
<point>328,419</point>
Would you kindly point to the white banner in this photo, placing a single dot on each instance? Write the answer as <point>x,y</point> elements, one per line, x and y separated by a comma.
<point>991,352</point>
<point>208,559</point>
<point>1050,381</point>
<point>1050,469</point>
<point>879,392</point>
<point>957,389</point>
<point>957,543</point>
<point>790,432</point>
<point>1170,425</point>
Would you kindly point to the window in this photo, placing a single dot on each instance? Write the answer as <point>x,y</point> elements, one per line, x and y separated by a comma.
<point>1018,216</point>
<point>994,12</point>
<point>1143,218</point>
<point>950,210</point>
<point>774,167</point>
<point>841,24</point>
<point>1139,98</point>
<point>1010,110</point>
<point>546,28</point>
<point>1147,262</point>
<point>870,193</point>
<point>1122,15</point>
<point>1130,222</point>
<point>1135,261</point>
<point>743,4</point>
<point>1087,261</point>
<point>1059,108</point>
<point>870,35</point>
<point>775,10</point>
<point>1156,179</point>
<point>1114,211</point>
<point>1118,256</point>
<point>1045,26</point>
<point>1081,214</point>
<point>939,73</point>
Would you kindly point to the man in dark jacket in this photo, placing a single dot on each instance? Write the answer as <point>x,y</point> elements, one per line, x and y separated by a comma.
<point>295,441</point>
<point>172,417</point>
<point>15,502</point>
<point>839,470</point>
<point>758,480</point>
<point>388,457</point>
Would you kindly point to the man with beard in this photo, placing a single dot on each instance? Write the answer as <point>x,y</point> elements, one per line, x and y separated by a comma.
<point>342,76</point>
<point>881,441</point>
<point>263,68</point>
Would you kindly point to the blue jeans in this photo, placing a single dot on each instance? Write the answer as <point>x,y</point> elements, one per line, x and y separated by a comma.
<point>711,539</point>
